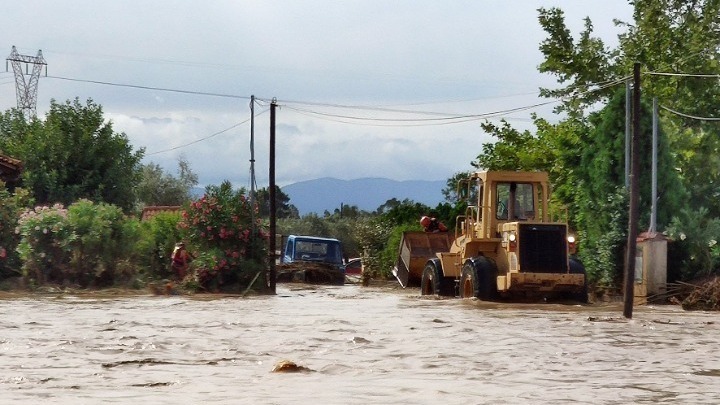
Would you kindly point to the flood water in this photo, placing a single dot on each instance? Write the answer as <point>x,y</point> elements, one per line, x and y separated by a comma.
<point>363,346</point>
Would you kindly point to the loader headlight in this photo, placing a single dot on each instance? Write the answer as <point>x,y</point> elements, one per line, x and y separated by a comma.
<point>572,249</point>
<point>511,241</point>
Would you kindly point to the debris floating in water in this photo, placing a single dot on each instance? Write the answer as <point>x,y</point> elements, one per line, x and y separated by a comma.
<point>287,366</point>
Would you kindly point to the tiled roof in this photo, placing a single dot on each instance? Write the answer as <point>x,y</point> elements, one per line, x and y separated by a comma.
<point>151,211</point>
<point>10,168</point>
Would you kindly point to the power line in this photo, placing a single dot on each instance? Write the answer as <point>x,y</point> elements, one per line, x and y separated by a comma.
<point>694,117</point>
<point>411,122</point>
<point>204,138</point>
<point>700,75</point>
<point>135,86</point>
<point>442,118</point>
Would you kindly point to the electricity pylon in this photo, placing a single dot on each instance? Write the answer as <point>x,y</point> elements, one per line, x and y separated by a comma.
<point>26,90</point>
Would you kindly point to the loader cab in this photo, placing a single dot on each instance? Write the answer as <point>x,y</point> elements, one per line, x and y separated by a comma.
<point>499,197</point>
<point>514,201</point>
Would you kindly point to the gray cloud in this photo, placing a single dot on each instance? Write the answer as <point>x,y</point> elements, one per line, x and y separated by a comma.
<point>461,57</point>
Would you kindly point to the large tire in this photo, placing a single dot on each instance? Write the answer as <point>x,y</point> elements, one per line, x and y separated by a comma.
<point>576,267</point>
<point>469,282</point>
<point>478,279</point>
<point>433,282</point>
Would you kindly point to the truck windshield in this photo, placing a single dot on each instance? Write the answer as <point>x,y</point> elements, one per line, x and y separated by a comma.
<point>323,251</point>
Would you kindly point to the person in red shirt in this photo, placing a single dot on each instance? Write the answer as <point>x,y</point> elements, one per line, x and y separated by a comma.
<point>180,260</point>
<point>432,225</point>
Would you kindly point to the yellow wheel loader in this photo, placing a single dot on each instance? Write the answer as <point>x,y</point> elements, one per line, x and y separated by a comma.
<point>504,245</point>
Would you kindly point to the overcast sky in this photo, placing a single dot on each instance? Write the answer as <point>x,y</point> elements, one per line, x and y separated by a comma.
<point>343,72</point>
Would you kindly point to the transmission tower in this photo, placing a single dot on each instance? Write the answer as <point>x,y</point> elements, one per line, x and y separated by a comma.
<point>26,90</point>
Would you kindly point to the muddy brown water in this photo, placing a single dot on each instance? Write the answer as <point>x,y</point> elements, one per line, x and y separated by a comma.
<point>362,345</point>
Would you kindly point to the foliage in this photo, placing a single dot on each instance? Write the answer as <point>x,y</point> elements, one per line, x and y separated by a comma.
<point>80,245</point>
<point>159,188</point>
<point>345,211</point>
<point>395,212</point>
<point>698,235</point>
<point>602,242</point>
<point>155,244</point>
<point>581,64</point>
<point>310,224</point>
<point>514,150</point>
<point>450,192</point>
<point>669,36</point>
<point>11,206</point>
<point>282,203</point>
<point>233,248</point>
<point>73,154</point>
<point>100,239</point>
<point>45,238</point>
<point>373,236</point>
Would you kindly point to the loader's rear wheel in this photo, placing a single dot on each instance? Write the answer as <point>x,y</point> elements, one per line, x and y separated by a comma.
<point>478,280</point>
<point>433,282</point>
<point>576,267</point>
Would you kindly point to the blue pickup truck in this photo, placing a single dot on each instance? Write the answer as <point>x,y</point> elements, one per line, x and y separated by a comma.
<point>312,259</point>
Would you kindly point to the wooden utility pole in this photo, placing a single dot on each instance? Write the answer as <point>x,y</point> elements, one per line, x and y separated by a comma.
<point>273,205</point>
<point>634,198</point>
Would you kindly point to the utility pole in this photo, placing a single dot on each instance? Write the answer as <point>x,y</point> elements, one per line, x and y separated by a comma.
<point>628,131</point>
<point>273,205</point>
<point>653,192</point>
<point>252,163</point>
<point>26,91</point>
<point>634,197</point>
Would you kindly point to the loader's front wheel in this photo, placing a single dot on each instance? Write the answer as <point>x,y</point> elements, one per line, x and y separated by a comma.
<point>477,279</point>
<point>469,285</point>
<point>433,282</point>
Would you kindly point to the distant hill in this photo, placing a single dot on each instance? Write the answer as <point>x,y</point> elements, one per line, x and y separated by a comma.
<point>367,194</point>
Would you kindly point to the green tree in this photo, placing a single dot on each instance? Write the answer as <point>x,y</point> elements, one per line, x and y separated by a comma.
<point>665,37</point>
<point>397,212</point>
<point>282,203</point>
<point>159,188</point>
<point>74,153</point>
<point>450,191</point>
<point>698,235</point>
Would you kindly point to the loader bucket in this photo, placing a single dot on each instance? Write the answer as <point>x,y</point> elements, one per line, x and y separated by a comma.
<point>416,248</point>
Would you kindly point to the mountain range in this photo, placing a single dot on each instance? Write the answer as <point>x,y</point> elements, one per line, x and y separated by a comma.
<point>327,194</point>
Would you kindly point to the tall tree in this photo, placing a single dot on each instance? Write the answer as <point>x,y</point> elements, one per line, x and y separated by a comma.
<point>157,187</point>
<point>282,203</point>
<point>602,205</point>
<point>676,42</point>
<point>74,153</point>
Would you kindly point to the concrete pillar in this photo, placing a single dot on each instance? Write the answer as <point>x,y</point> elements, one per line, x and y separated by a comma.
<point>650,266</point>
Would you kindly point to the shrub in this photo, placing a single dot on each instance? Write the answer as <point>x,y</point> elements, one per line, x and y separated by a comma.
<point>220,226</point>
<point>86,244</point>
<point>695,237</point>
<point>11,206</point>
<point>372,236</point>
<point>44,247</point>
<point>156,241</point>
